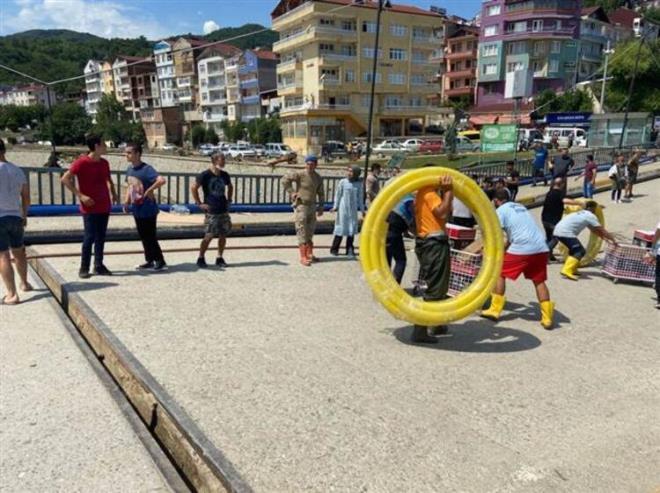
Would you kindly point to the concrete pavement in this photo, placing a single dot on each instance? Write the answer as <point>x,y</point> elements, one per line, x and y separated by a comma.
<point>60,428</point>
<point>305,383</point>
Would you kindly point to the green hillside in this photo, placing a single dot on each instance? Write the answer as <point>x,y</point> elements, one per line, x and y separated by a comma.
<point>58,54</point>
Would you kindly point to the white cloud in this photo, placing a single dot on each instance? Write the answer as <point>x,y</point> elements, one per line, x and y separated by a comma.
<point>210,26</point>
<point>103,18</point>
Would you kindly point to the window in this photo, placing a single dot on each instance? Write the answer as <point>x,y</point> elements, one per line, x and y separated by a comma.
<point>418,79</point>
<point>494,10</point>
<point>397,79</point>
<point>369,52</point>
<point>421,33</point>
<point>539,47</point>
<point>490,69</point>
<point>537,25</point>
<point>365,100</point>
<point>398,30</point>
<point>327,22</point>
<point>420,56</point>
<point>368,27</point>
<point>348,25</point>
<point>326,48</point>
<point>516,48</point>
<point>416,101</point>
<point>537,67</point>
<point>393,101</point>
<point>554,66</point>
<point>490,31</point>
<point>366,77</point>
<point>515,66</point>
<point>397,54</point>
<point>348,50</point>
<point>349,75</point>
<point>489,50</point>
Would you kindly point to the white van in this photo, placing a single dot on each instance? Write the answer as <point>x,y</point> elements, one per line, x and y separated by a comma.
<point>277,149</point>
<point>566,135</point>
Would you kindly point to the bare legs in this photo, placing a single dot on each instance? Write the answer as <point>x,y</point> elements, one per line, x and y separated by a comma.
<point>7,273</point>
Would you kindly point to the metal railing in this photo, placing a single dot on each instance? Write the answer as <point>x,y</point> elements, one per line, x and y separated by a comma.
<point>249,189</point>
<point>525,167</point>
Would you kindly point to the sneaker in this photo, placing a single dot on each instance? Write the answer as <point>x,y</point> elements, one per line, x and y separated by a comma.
<point>160,266</point>
<point>84,274</point>
<point>146,265</point>
<point>102,270</point>
<point>201,263</point>
<point>220,262</point>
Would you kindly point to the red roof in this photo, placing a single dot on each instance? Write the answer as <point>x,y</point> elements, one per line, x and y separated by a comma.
<point>266,55</point>
<point>371,4</point>
<point>623,16</point>
<point>223,49</point>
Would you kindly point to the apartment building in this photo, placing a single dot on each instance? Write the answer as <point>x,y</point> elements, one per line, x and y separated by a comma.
<point>94,85</point>
<point>326,51</point>
<point>256,77</point>
<point>165,72</point>
<point>28,95</point>
<point>213,84</point>
<point>136,84</point>
<point>596,34</point>
<point>459,80</point>
<point>161,125</point>
<point>634,21</point>
<point>541,36</point>
<point>107,78</point>
<point>184,54</point>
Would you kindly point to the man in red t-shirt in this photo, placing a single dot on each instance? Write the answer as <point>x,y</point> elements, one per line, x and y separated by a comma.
<point>94,191</point>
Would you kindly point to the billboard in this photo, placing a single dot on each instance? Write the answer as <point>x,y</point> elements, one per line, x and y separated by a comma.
<point>499,138</point>
<point>518,84</point>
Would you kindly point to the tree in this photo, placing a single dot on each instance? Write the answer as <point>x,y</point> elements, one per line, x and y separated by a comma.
<point>67,125</point>
<point>646,95</point>
<point>264,130</point>
<point>197,134</point>
<point>114,123</point>
<point>211,136</point>
<point>608,5</point>
<point>550,102</point>
<point>14,117</point>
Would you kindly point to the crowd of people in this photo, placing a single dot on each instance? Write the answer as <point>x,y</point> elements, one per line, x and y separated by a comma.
<point>423,216</point>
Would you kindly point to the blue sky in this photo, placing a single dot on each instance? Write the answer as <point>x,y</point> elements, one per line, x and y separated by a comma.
<point>157,18</point>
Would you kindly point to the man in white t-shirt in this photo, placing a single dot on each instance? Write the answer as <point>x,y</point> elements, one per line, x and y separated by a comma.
<point>14,204</point>
<point>461,215</point>
<point>569,228</point>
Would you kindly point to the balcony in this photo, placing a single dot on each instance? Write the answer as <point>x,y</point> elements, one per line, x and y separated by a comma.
<point>193,116</point>
<point>218,85</point>
<point>337,56</point>
<point>461,74</point>
<point>429,40</point>
<point>316,33</point>
<point>564,32</point>
<point>325,82</point>
<point>459,91</point>
<point>461,55</point>
<point>254,99</point>
<point>288,66</point>
<point>249,83</point>
<point>213,117</point>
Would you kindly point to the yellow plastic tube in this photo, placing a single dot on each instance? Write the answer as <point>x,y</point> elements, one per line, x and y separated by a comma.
<point>378,274</point>
<point>595,241</point>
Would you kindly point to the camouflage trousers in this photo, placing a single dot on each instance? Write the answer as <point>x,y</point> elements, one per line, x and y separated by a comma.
<point>305,221</point>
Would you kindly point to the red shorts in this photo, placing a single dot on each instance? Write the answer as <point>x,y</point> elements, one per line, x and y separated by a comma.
<point>535,267</point>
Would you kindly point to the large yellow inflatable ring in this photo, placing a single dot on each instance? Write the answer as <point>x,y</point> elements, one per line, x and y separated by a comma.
<point>595,241</point>
<point>374,263</point>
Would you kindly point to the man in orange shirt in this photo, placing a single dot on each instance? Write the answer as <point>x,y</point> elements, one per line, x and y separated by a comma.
<point>432,247</point>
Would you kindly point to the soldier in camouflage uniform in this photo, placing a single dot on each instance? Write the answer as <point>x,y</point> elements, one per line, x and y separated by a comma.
<point>307,199</point>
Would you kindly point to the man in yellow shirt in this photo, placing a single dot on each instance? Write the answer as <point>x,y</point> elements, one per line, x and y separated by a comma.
<point>432,247</point>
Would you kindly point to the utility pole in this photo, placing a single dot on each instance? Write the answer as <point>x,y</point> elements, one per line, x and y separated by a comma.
<point>374,69</point>
<point>609,51</point>
<point>630,91</point>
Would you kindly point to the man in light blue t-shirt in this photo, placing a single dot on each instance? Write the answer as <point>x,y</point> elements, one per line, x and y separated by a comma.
<point>569,228</point>
<point>526,253</point>
<point>14,205</point>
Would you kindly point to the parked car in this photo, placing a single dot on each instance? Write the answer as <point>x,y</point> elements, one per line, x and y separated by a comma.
<point>259,149</point>
<point>412,145</point>
<point>168,147</point>
<point>434,129</point>
<point>566,136</point>
<point>431,147</point>
<point>277,149</point>
<point>473,135</point>
<point>240,151</point>
<point>463,144</point>
<point>528,137</point>
<point>389,147</point>
<point>333,149</point>
<point>206,149</point>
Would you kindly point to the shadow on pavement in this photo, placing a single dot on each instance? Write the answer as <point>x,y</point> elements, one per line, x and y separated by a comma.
<point>476,336</point>
<point>531,313</point>
<point>77,287</point>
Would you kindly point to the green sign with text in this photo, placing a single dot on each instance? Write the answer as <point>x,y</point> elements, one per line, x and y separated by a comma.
<point>499,138</point>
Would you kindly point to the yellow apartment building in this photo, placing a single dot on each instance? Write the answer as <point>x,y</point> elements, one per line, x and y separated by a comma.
<point>326,50</point>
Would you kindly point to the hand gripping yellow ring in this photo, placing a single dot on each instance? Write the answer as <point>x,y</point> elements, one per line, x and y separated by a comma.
<point>595,241</point>
<point>374,263</point>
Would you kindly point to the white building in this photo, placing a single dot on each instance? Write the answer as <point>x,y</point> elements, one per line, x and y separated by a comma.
<point>29,95</point>
<point>212,77</point>
<point>93,86</point>
<point>166,74</point>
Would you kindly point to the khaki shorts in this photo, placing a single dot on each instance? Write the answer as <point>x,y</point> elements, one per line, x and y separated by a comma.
<point>217,224</point>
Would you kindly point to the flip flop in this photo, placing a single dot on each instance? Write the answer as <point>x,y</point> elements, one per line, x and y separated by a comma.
<point>5,302</point>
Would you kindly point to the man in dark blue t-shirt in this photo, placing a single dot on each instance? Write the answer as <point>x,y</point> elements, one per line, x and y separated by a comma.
<point>142,181</point>
<point>218,190</point>
<point>540,160</point>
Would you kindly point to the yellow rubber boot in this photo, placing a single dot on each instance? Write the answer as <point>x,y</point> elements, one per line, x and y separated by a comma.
<point>497,302</point>
<point>547,310</point>
<point>569,270</point>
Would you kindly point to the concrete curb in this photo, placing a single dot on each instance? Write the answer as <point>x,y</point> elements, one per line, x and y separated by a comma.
<point>200,462</point>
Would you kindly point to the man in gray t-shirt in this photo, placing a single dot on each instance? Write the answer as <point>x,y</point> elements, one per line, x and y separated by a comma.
<point>14,204</point>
